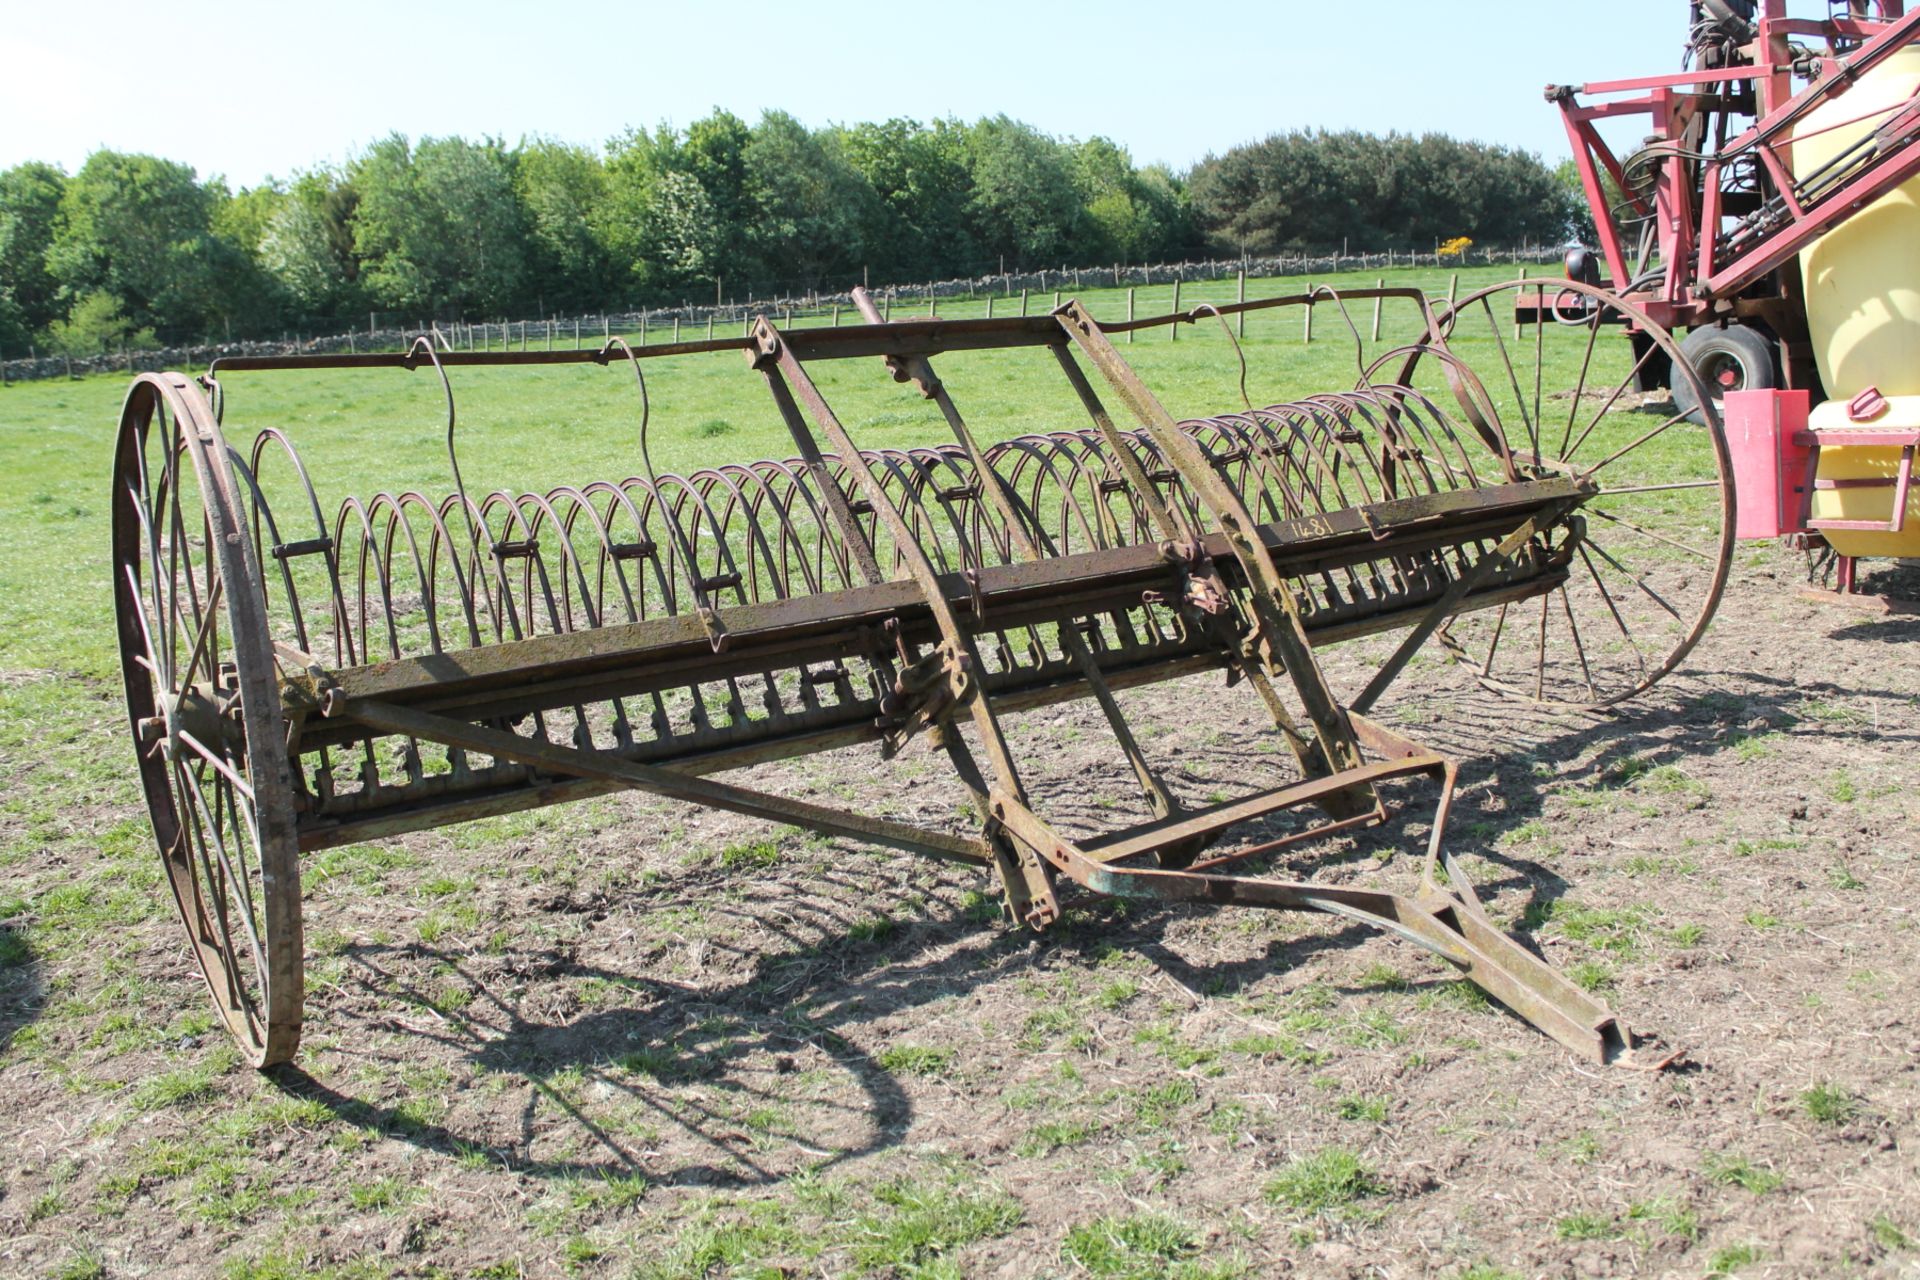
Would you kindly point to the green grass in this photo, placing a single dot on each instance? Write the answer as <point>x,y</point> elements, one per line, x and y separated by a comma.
<point>1888,1234</point>
<point>1732,1170</point>
<point>1323,1181</point>
<point>1670,1215</point>
<point>1140,1246</point>
<point>745,857</point>
<point>916,1060</point>
<point>1360,1107</point>
<point>1614,929</point>
<point>381,1193</point>
<point>1054,1135</point>
<point>918,1222</point>
<point>1829,1103</point>
<point>1731,1259</point>
<point>1585,1226</point>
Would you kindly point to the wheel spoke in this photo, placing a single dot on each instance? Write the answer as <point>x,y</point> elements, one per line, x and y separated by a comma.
<point>1539,368</point>
<point>1613,608</point>
<point>220,766</point>
<point>1540,657</point>
<point>1660,488</point>
<point>1648,533</point>
<point>1580,385</point>
<point>209,888</point>
<point>146,632</point>
<point>1513,377</point>
<point>240,888</point>
<point>206,630</point>
<point>244,824</point>
<point>1611,400</point>
<point>1637,581</point>
<point>1493,646</point>
<point>1622,452</point>
<point>1566,604</point>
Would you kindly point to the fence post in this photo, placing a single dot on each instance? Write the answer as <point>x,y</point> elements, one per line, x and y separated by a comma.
<point>989,306</point>
<point>836,312</point>
<point>1129,312</point>
<point>1056,299</point>
<point>606,328</point>
<point>709,326</point>
<point>933,306</point>
<point>1380,283</point>
<point>372,328</point>
<point>643,326</point>
<point>676,326</point>
<point>1240,295</point>
<point>1453,289</point>
<point>576,333</point>
<point>1306,326</point>
<point>1516,310</point>
<point>886,312</point>
<point>1023,300</point>
<point>1173,330</point>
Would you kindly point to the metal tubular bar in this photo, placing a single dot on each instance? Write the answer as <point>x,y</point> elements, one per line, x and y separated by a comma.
<point>601,767</point>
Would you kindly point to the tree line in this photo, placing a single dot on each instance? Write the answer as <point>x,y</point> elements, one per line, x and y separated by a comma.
<point>132,247</point>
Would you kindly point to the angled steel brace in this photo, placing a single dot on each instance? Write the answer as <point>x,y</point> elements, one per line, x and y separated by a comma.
<point>580,763</point>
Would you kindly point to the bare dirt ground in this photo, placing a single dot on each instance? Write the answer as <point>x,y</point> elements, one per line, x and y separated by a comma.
<point>631,1038</point>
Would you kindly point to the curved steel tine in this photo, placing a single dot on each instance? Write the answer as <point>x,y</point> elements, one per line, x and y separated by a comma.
<point>701,602</point>
<point>395,509</point>
<point>1359,344</point>
<point>354,507</point>
<point>1193,317</point>
<point>216,395</point>
<point>424,343</point>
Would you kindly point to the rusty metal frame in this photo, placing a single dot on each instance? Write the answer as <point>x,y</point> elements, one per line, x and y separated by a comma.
<point>1227,580</point>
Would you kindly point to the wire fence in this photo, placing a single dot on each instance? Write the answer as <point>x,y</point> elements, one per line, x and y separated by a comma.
<point>1153,289</point>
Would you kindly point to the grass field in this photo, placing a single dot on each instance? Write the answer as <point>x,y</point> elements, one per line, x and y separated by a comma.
<point>530,428</point>
<point>625,1037</point>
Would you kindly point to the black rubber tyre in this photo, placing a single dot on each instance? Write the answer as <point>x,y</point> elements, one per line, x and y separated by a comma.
<point>1735,358</point>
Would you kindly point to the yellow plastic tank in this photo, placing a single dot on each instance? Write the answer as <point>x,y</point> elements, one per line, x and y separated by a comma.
<point>1863,310</point>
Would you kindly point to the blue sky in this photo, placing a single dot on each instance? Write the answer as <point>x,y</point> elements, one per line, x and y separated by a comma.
<point>248,90</point>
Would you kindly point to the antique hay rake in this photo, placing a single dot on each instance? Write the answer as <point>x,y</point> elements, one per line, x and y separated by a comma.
<point>296,683</point>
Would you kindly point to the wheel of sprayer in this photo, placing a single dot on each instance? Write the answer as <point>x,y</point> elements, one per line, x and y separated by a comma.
<point>1647,559</point>
<point>204,709</point>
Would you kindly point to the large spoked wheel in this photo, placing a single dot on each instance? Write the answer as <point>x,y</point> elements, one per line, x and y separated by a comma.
<point>1645,560</point>
<point>205,711</point>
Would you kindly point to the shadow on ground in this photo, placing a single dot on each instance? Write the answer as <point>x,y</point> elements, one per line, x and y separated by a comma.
<point>754,1077</point>
<point>22,985</point>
